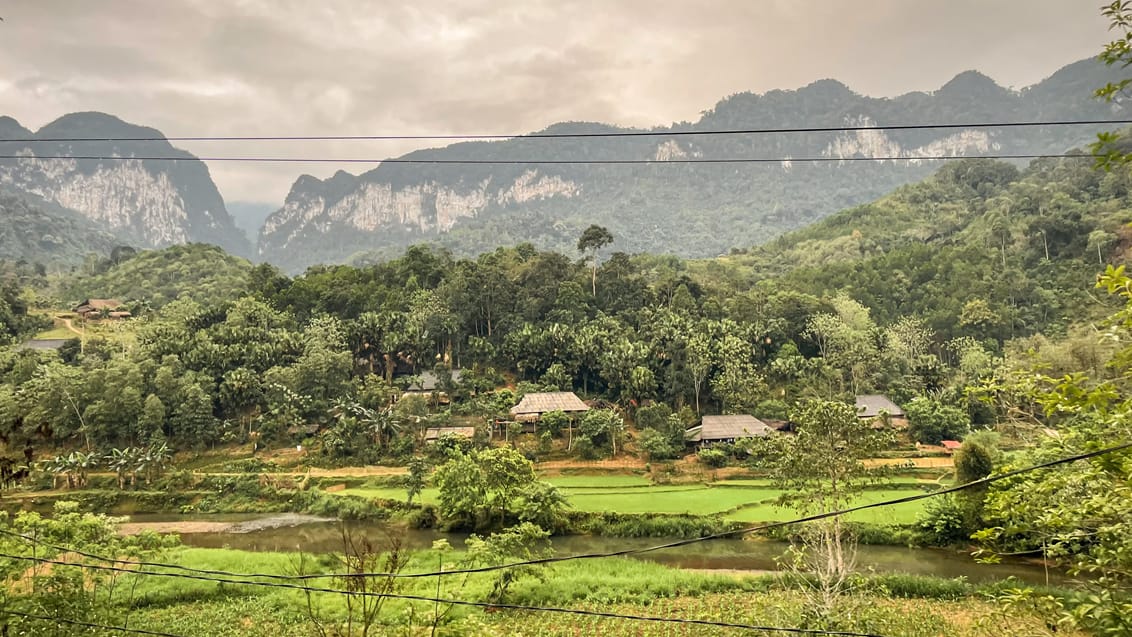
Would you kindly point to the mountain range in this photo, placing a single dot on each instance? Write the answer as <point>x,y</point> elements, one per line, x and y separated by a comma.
<point>668,206</point>
<point>141,202</point>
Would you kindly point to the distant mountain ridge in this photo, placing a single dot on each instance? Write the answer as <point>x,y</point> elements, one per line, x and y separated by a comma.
<point>145,203</point>
<point>689,210</point>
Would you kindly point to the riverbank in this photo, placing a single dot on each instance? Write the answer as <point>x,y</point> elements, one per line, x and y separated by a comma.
<point>879,604</point>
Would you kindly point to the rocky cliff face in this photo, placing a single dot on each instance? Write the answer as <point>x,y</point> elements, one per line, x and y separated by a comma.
<point>426,208</point>
<point>144,202</point>
<point>670,206</point>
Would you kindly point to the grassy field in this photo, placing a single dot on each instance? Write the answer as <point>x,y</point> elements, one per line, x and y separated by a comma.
<point>59,331</point>
<point>894,514</point>
<point>601,482</point>
<point>742,500</point>
<point>427,496</point>
<point>112,330</point>
<point>916,607</point>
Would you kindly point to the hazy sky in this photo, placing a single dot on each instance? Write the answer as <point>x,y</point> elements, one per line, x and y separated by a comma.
<point>293,67</point>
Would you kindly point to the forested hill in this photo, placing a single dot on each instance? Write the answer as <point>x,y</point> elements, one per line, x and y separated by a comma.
<point>37,231</point>
<point>689,210</point>
<point>980,241</point>
<point>201,272</point>
<point>920,291</point>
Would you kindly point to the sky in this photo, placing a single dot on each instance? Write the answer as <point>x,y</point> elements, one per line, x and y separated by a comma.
<point>353,67</point>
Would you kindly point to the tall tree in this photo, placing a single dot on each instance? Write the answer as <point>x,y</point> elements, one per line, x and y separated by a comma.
<point>593,239</point>
<point>822,466</point>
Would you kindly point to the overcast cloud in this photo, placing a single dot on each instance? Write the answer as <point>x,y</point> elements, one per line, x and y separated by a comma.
<point>270,67</point>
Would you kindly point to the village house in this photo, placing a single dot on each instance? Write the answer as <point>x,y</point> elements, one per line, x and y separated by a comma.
<point>950,446</point>
<point>533,406</point>
<point>715,429</point>
<point>428,384</point>
<point>97,308</point>
<point>432,434</point>
<point>881,412</point>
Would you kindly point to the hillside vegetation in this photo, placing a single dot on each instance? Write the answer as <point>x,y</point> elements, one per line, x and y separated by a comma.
<point>200,272</point>
<point>38,232</point>
<point>980,243</point>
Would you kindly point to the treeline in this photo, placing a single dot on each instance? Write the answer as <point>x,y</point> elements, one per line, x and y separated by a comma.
<point>274,356</point>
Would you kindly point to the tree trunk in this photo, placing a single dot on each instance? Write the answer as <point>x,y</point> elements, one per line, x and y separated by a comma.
<point>595,274</point>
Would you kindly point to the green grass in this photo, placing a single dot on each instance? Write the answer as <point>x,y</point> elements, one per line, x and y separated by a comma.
<point>745,482</point>
<point>58,331</point>
<point>905,513</point>
<point>740,500</point>
<point>598,482</point>
<point>193,607</point>
<point>427,496</point>
<point>697,500</point>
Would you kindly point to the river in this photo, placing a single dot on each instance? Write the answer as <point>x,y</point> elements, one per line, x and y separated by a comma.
<point>292,532</point>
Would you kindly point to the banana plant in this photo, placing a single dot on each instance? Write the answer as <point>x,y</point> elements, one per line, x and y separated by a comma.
<point>153,460</point>
<point>122,461</point>
<point>81,463</point>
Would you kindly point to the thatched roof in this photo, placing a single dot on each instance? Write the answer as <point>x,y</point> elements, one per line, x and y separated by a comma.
<point>870,406</point>
<point>436,433</point>
<point>429,381</point>
<point>101,304</point>
<point>537,404</point>
<point>727,428</point>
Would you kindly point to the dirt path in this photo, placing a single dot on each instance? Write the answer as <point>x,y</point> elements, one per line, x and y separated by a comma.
<point>68,325</point>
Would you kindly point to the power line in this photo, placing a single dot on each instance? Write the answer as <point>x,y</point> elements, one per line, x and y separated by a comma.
<point>518,607</point>
<point>75,622</point>
<point>442,600</point>
<point>653,133</point>
<point>621,553</point>
<point>773,525</point>
<point>557,162</point>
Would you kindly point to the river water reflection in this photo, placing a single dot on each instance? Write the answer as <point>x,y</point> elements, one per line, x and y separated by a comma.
<point>289,532</point>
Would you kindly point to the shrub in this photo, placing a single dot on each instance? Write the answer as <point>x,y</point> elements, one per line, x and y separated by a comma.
<point>773,409</point>
<point>554,422</point>
<point>712,457</point>
<point>653,416</point>
<point>945,521</point>
<point>424,518</point>
<point>656,445</point>
<point>585,449</point>
<point>930,421</point>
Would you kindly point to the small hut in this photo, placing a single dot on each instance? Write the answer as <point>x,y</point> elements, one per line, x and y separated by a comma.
<point>951,446</point>
<point>727,429</point>
<point>428,384</point>
<point>533,406</point>
<point>880,411</point>
<point>432,434</point>
<point>94,308</point>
